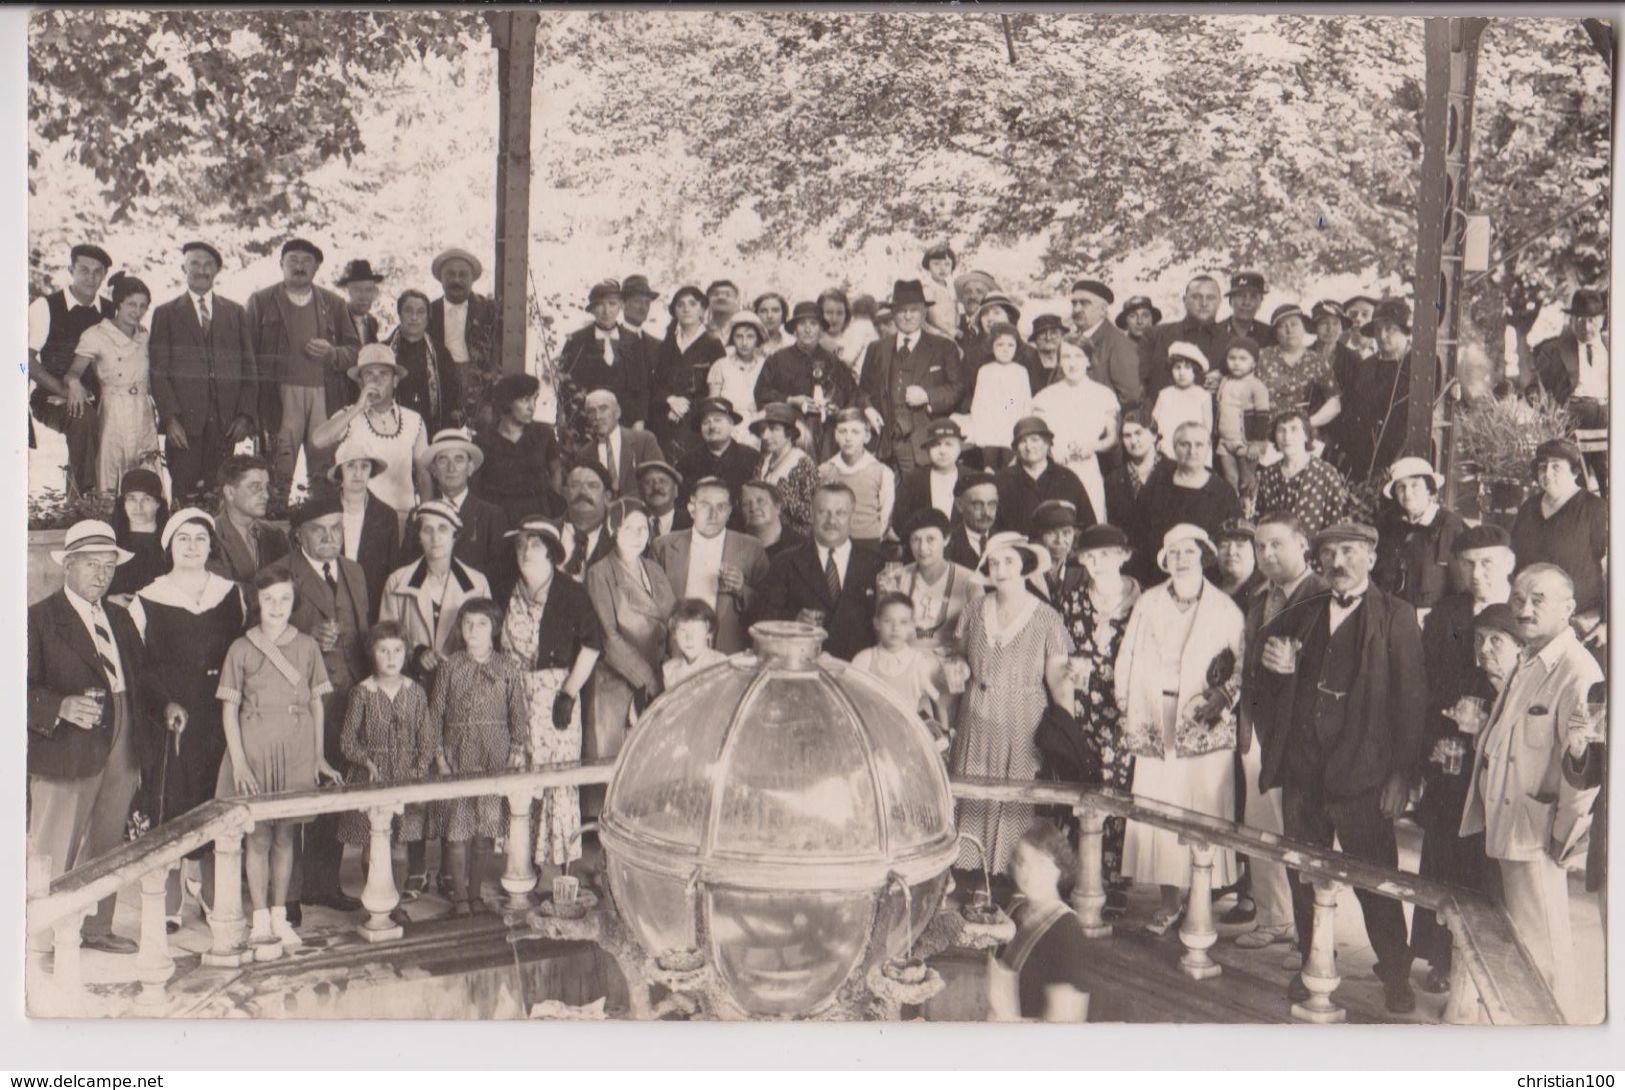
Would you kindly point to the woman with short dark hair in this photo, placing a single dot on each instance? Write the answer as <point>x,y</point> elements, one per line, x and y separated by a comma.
<point>1301,483</point>
<point>433,386</point>
<point>522,471</point>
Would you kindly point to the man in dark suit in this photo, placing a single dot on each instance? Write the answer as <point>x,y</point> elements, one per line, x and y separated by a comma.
<point>92,720</point>
<point>586,496</point>
<point>1246,295</point>
<point>466,323</point>
<point>718,455</point>
<point>204,378</point>
<point>909,380</point>
<point>660,486</point>
<point>1114,358</point>
<point>360,284</point>
<point>331,608</point>
<point>247,542</point>
<point>830,581</point>
<point>603,356</point>
<point>936,483</point>
<point>451,460</point>
<point>619,449</point>
<point>714,564</point>
<point>1196,327</point>
<point>1572,368</point>
<point>304,343</point>
<point>977,505</point>
<point>1376,405</point>
<point>1033,478</point>
<point>636,297</point>
<point>1340,703</point>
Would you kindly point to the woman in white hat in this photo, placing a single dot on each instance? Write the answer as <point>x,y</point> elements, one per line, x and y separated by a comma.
<point>372,532</point>
<point>193,615</point>
<point>383,428</point>
<point>1177,677</point>
<point>1017,647</point>
<point>1416,536</point>
<point>734,376</point>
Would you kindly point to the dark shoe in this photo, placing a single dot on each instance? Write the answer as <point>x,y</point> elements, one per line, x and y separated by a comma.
<point>1298,991</point>
<point>172,927</point>
<point>416,886</point>
<point>1437,981</point>
<point>296,915</point>
<point>461,910</point>
<point>399,918</point>
<point>1398,997</point>
<point>343,902</point>
<point>444,884</point>
<point>1244,912</point>
<point>109,944</point>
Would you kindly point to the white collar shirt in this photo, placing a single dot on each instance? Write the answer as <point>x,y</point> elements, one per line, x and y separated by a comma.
<point>457,330</point>
<point>705,566</point>
<point>942,484</point>
<point>90,613</point>
<point>843,557</point>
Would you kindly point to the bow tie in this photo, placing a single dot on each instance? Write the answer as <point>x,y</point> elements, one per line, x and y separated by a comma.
<point>607,334</point>
<point>1347,601</point>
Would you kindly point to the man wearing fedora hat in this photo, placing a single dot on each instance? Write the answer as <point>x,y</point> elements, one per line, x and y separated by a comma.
<point>1114,359</point>
<point>1572,368</point>
<point>717,455</point>
<point>360,283</point>
<point>1033,478</point>
<point>205,382</point>
<point>466,323</point>
<point>1246,295</point>
<point>304,343</point>
<point>910,379</point>
<point>1378,400</point>
<point>1417,536</point>
<point>1340,703</point>
<point>602,355</point>
<point>92,720</point>
<point>451,460</point>
<point>1197,327</point>
<point>636,298</point>
<point>660,486</point>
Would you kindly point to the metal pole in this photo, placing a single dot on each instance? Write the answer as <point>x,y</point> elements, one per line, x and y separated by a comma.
<point>513,33</point>
<point>1451,49</point>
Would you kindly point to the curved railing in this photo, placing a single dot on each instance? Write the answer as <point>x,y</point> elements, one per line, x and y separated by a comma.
<point>1493,978</point>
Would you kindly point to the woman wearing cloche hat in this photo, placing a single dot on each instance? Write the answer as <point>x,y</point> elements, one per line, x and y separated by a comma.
<point>1417,536</point>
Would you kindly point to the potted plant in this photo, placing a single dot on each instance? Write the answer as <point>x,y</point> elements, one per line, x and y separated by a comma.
<point>50,513</point>
<point>1498,436</point>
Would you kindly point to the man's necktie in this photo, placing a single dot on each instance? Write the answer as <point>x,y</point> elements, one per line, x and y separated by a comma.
<point>832,577</point>
<point>578,549</point>
<point>203,316</point>
<point>1275,603</point>
<point>332,580</point>
<point>1346,601</point>
<point>106,649</point>
<point>608,458</point>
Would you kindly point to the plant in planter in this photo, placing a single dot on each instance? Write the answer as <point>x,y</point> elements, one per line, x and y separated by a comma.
<point>1498,438</point>
<point>53,509</point>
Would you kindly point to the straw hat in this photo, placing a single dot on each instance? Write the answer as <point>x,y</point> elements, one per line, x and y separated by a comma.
<point>90,536</point>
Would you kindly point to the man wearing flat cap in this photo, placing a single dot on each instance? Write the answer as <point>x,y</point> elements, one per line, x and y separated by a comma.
<point>718,454</point>
<point>466,323</point>
<point>603,355</point>
<point>55,324</point>
<point>360,283</point>
<point>976,510</point>
<point>205,380</point>
<point>1246,295</point>
<point>1197,327</point>
<point>1572,368</point>
<point>1377,403</point>
<point>1340,706</point>
<point>909,380</point>
<point>1034,477</point>
<point>1483,557</point>
<point>304,342</point>
<point>1114,358</point>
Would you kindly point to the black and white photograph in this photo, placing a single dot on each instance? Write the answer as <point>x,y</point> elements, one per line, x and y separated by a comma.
<point>916,514</point>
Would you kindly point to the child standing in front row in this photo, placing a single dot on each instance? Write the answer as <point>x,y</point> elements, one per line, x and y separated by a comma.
<point>908,670</point>
<point>693,627</point>
<point>873,484</point>
<point>479,716</point>
<point>1003,395</point>
<point>386,736</point>
<point>1241,392</point>
<point>271,688</point>
<point>1187,400</point>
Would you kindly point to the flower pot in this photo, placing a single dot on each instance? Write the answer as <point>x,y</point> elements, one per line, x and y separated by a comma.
<point>1500,497</point>
<point>44,576</point>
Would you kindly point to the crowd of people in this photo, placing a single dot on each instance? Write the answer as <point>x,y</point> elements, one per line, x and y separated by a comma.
<point>1026,537</point>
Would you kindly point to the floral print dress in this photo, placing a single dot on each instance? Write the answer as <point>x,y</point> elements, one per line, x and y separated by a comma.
<point>1098,636</point>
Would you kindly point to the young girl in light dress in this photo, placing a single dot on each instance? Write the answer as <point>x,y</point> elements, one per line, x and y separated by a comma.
<point>910,671</point>
<point>1004,390</point>
<point>271,688</point>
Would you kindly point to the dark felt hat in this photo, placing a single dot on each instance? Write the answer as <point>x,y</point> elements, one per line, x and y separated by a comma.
<point>1236,528</point>
<point>589,463</point>
<point>357,270</point>
<point>1095,288</point>
<point>940,430</point>
<point>806,309</point>
<point>206,248</point>
<point>778,412</point>
<point>92,251</point>
<point>1246,281</point>
<point>603,290</point>
<point>303,246</point>
<point>1396,311</point>
<point>715,405</point>
<point>1053,514</point>
<point>1499,618</point>
<point>319,505</point>
<point>1138,302</point>
<point>1285,311</point>
<point>1030,425</point>
<point>1102,535</point>
<point>1328,308</point>
<point>907,292</point>
<point>1046,322</point>
<point>1346,531</point>
<point>638,284</point>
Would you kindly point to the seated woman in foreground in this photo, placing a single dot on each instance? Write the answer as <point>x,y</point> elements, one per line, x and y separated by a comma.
<point>1048,956</point>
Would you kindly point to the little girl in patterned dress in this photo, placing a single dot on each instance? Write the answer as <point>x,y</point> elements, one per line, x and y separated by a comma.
<point>386,736</point>
<point>480,719</point>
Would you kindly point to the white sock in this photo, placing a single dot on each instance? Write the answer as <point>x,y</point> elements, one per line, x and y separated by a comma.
<point>262,920</point>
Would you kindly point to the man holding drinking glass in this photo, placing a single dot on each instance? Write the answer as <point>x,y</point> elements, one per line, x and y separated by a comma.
<point>89,733</point>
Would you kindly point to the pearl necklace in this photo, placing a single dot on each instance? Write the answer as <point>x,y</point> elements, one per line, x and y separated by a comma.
<point>395,414</point>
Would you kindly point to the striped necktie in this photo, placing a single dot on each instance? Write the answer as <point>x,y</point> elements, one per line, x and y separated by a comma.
<point>106,650</point>
<point>832,577</point>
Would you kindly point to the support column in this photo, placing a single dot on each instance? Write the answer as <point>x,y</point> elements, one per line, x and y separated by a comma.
<point>519,878</point>
<point>67,972</point>
<point>513,33</point>
<point>1089,896</point>
<point>153,965</point>
<point>1197,933</point>
<point>226,918</point>
<point>380,897</point>
<point>1319,971</point>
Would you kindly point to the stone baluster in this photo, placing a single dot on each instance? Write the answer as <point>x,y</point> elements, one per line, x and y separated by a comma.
<point>380,897</point>
<point>153,965</point>
<point>1462,1007</point>
<point>1089,895</point>
<point>519,878</point>
<point>1197,933</point>
<point>1319,971</point>
<point>67,994</point>
<point>226,923</point>
<point>37,884</point>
